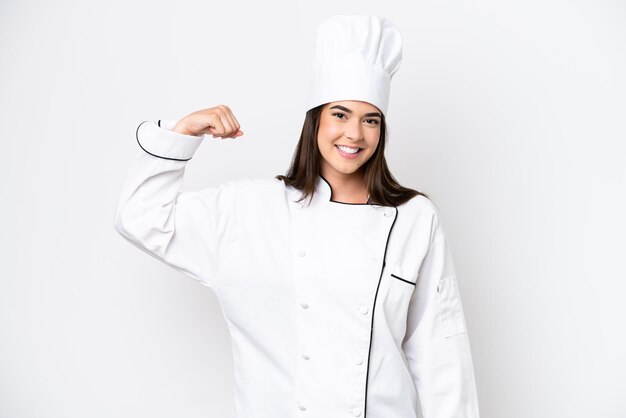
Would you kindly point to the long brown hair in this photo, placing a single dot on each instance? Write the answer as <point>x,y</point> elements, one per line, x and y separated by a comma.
<point>305,167</point>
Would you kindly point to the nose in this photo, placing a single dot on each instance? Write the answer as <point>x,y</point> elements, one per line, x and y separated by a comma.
<point>354,130</point>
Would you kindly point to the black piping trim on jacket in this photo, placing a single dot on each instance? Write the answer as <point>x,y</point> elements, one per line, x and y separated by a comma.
<point>154,155</point>
<point>400,278</point>
<point>367,373</point>
<point>343,203</point>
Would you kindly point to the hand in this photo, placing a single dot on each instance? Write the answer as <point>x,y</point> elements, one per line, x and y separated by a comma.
<point>218,121</point>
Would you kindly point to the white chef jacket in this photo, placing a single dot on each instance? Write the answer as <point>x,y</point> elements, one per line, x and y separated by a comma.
<point>335,310</point>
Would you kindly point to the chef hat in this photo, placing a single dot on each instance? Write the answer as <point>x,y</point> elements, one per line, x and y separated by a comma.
<point>355,59</point>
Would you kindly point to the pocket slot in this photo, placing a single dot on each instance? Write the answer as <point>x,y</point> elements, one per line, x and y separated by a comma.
<point>404,280</point>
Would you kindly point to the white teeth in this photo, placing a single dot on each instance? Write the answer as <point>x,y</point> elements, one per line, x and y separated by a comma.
<point>348,150</point>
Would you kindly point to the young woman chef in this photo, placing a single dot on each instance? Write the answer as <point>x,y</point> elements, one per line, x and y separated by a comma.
<point>336,282</point>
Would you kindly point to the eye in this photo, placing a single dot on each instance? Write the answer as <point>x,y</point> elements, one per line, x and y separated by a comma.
<point>338,113</point>
<point>373,120</point>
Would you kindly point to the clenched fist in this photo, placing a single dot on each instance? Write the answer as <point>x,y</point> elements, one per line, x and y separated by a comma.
<point>218,121</point>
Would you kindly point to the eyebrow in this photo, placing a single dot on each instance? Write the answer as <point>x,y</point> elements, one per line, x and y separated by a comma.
<point>345,109</point>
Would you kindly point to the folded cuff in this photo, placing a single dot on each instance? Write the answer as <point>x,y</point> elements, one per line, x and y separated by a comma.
<point>157,139</point>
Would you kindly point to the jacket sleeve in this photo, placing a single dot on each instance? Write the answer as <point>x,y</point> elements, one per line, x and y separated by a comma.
<point>185,230</point>
<point>436,344</point>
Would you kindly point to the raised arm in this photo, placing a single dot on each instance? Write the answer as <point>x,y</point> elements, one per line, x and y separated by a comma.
<point>186,230</point>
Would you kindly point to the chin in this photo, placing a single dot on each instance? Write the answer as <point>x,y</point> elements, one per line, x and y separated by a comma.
<point>347,170</point>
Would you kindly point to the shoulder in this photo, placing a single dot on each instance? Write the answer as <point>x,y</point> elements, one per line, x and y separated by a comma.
<point>421,213</point>
<point>256,187</point>
<point>419,205</point>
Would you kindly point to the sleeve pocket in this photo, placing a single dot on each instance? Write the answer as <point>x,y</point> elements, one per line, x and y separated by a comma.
<point>449,307</point>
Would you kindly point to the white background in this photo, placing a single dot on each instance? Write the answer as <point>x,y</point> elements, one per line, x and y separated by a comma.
<point>509,114</point>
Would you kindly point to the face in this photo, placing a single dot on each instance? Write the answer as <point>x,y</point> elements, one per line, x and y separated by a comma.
<point>346,127</point>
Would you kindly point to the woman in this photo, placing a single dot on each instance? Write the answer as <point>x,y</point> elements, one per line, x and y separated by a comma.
<point>344,305</point>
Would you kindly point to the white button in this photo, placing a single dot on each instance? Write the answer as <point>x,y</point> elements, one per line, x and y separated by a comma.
<point>389,212</point>
<point>356,412</point>
<point>363,310</point>
<point>305,356</point>
<point>304,305</point>
<point>358,360</point>
<point>302,407</point>
<point>301,253</point>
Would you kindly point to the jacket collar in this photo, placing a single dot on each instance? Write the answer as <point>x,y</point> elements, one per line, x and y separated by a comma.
<point>325,191</point>
<point>323,188</point>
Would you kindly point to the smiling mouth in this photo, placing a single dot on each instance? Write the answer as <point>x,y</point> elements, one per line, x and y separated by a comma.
<point>349,150</point>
